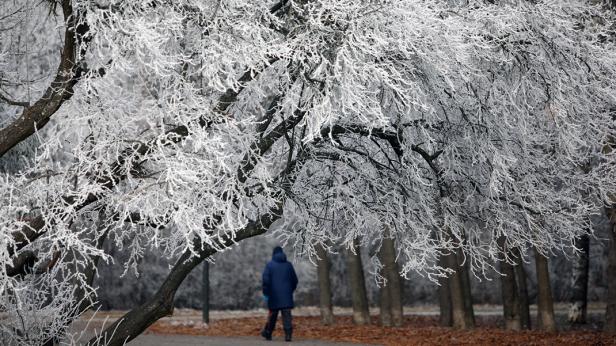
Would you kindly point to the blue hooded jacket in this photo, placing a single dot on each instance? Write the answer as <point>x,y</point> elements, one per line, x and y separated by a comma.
<point>279,281</point>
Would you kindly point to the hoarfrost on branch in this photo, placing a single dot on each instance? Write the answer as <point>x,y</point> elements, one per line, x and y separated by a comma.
<point>451,124</point>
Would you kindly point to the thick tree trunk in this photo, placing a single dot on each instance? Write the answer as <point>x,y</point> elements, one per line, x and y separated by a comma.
<point>579,282</point>
<point>545,305</point>
<point>520,280</point>
<point>361,312</point>
<point>325,290</point>
<point>444,298</point>
<point>610,310</point>
<point>460,317</point>
<point>511,301</point>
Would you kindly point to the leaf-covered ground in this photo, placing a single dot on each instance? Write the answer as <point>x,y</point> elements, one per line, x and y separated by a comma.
<point>417,330</point>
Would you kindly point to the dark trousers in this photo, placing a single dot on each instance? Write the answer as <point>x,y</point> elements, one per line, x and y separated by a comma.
<point>273,316</point>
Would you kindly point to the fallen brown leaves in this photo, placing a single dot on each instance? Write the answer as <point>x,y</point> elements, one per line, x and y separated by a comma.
<point>417,330</point>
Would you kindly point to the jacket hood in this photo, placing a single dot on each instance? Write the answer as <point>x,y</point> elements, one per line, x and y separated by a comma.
<point>279,255</point>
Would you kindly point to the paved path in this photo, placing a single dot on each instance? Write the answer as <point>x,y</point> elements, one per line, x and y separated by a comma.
<point>85,332</point>
<point>189,340</point>
<point>185,340</point>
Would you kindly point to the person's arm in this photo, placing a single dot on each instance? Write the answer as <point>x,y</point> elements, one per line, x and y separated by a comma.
<point>267,281</point>
<point>293,278</point>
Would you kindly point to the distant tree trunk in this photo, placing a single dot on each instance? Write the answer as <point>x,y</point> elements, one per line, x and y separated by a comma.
<point>325,290</point>
<point>395,289</point>
<point>514,290</point>
<point>391,292</point>
<point>610,310</point>
<point>469,313</point>
<point>545,306</point>
<point>444,297</point>
<point>460,317</point>
<point>361,312</point>
<point>511,301</point>
<point>394,284</point>
<point>385,305</point>
<point>205,292</point>
<point>520,280</point>
<point>579,282</point>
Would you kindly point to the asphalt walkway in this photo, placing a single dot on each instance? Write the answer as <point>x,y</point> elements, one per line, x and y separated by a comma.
<point>84,331</point>
<point>189,340</point>
<point>186,340</point>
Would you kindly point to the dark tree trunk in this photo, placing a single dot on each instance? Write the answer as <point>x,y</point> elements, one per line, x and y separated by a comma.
<point>394,282</point>
<point>469,313</point>
<point>397,309</point>
<point>545,305</point>
<point>391,292</point>
<point>325,290</point>
<point>460,317</point>
<point>522,286</point>
<point>385,305</point>
<point>205,292</point>
<point>361,312</point>
<point>444,298</point>
<point>511,301</point>
<point>514,290</point>
<point>610,310</point>
<point>456,294</point>
<point>395,289</point>
<point>579,282</point>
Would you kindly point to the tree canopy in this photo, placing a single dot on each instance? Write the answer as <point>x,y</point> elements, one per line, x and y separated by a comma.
<point>186,126</point>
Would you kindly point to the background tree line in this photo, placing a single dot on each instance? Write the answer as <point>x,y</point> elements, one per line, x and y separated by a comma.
<point>239,271</point>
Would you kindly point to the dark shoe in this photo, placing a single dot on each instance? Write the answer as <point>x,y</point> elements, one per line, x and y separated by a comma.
<point>266,335</point>
<point>287,335</point>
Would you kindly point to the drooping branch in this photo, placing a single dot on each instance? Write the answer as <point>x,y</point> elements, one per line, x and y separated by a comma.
<point>161,304</point>
<point>32,231</point>
<point>393,138</point>
<point>129,157</point>
<point>139,319</point>
<point>265,143</point>
<point>12,102</point>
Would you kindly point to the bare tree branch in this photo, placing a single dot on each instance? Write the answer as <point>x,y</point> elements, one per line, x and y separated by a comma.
<point>12,102</point>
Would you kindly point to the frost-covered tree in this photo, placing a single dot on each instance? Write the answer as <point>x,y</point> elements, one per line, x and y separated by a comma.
<point>186,126</point>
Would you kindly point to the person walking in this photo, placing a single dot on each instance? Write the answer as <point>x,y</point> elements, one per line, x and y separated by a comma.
<point>279,283</point>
